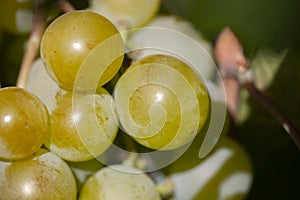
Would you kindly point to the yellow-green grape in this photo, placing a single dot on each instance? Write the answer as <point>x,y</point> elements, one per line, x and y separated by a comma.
<point>44,176</point>
<point>225,174</point>
<point>82,126</point>
<point>119,182</point>
<point>77,39</point>
<point>161,102</point>
<point>167,34</point>
<point>40,84</point>
<point>16,16</point>
<point>127,13</point>
<point>24,123</point>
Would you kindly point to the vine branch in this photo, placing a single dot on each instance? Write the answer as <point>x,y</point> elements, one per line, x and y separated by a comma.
<point>38,27</point>
<point>233,65</point>
<point>260,97</point>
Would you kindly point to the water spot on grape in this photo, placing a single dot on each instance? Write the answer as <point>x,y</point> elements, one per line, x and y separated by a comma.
<point>90,46</point>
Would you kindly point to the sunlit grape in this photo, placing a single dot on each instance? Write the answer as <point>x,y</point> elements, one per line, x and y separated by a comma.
<point>24,123</point>
<point>82,126</point>
<point>119,182</point>
<point>79,37</point>
<point>44,176</point>
<point>126,13</point>
<point>161,102</point>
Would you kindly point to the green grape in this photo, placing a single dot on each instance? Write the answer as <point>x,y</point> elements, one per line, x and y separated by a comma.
<point>119,182</point>
<point>161,102</point>
<point>126,14</point>
<point>43,176</point>
<point>24,123</point>
<point>82,126</point>
<point>16,16</point>
<point>77,39</point>
<point>40,84</point>
<point>226,173</point>
<point>167,34</point>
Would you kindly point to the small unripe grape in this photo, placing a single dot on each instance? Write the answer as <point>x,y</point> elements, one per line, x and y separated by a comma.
<point>119,182</point>
<point>82,126</point>
<point>77,39</point>
<point>24,123</point>
<point>161,102</point>
<point>43,176</point>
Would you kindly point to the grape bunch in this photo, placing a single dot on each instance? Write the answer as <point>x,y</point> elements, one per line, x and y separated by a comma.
<point>96,87</point>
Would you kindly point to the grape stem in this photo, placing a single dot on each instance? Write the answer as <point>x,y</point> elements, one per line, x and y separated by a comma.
<point>64,6</point>
<point>260,97</point>
<point>38,26</point>
<point>235,75</point>
<point>165,188</point>
<point>32,47</point>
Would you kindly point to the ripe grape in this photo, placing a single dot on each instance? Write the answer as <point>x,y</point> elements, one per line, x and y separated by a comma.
<point>226,173</point>
<point>82,126</point>
<point>78,44</point>
<point>43,176</point>
<point>24,123</point>
<point>40,84</point>
<point>161,102</point>
<point>119,182</point>
<point>126,14</point>
<point>173,35</point>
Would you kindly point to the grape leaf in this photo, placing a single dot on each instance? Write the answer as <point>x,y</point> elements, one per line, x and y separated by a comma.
<point>265,65</point>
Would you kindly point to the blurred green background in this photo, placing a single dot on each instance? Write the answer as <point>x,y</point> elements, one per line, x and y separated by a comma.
<point>259,25</point>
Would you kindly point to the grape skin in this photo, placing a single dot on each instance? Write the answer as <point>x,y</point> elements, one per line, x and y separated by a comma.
<point>161,93</point>
<point>43,176</point>
<point>71,37</point>
<point>80,130</point>
<point>119,182</point>
<point>126,14</point>
<point>141,42</point>
<point>24,123</point>
<point>40,84</point>
<point>226,173</point>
